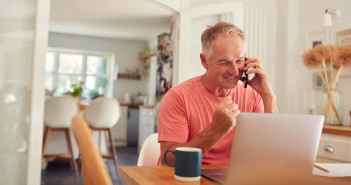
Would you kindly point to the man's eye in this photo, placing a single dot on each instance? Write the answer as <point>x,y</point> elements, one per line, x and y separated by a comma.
<point>239,61</point>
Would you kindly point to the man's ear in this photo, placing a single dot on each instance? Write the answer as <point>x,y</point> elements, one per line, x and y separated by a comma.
<point>203,60</point>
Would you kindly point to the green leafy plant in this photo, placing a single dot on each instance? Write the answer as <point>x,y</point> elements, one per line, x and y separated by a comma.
<point>77,89</point>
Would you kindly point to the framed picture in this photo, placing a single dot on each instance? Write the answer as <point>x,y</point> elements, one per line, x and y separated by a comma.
<point>315,38</point>
<point>317,81</point>
<point>343,37</point>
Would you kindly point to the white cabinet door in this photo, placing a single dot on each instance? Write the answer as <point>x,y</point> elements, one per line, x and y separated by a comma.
<point>334,148</point>
<point>146,124</point>
<point>191,24</point>
<point>119,130</point>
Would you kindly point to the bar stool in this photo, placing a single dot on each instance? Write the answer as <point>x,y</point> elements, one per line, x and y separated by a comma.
<point>58,114</point>
<point>102,114</point>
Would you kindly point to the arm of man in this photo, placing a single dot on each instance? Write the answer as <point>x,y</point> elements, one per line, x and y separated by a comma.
<point>224,120</point>
<point>261,84</point>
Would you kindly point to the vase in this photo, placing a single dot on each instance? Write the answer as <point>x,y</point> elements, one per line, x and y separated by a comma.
<point>330,105</point>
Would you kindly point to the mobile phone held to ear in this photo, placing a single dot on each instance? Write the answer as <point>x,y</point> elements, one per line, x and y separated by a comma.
<point>246,76</point>
<point>246,79</point>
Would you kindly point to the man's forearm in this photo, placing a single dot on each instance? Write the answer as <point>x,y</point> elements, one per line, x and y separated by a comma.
<point>270,104</point>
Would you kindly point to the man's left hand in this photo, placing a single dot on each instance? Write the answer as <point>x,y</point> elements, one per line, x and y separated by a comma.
<point>260,82</point>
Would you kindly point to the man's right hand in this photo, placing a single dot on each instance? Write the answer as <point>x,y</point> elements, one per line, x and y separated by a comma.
<point>224,118</point>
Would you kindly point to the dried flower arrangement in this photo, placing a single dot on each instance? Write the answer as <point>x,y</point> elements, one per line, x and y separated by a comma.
<point>325,57</point>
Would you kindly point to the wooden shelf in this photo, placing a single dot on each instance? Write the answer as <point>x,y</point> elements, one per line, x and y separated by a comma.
<point>129,76</point>
<point>337,130</point>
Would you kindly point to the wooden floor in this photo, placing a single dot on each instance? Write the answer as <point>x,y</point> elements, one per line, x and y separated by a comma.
<point>59,172</point>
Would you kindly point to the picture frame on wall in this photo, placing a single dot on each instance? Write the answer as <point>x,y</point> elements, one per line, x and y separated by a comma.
<point>344,38</point>
<point>315,38</point>
<point>317,81</point>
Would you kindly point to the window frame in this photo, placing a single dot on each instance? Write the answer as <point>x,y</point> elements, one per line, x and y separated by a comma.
<point>110,66</point>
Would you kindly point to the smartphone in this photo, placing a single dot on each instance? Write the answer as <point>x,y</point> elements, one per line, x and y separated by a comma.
<point>246,76</point>
<point>246,79</point>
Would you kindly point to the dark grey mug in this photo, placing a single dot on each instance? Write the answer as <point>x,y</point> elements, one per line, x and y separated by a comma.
<point>187,164</point>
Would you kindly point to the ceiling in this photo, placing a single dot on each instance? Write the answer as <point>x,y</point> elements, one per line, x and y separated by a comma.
<point>128,19</point>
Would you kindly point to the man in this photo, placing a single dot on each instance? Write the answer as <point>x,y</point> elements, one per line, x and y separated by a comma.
<point>201,112</point>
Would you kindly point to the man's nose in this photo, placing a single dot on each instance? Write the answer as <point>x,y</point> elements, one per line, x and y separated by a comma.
<point>234,69</point>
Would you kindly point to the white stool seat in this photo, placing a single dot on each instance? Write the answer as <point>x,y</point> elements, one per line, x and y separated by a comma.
<point>59,111</point>
<point>103,112</point>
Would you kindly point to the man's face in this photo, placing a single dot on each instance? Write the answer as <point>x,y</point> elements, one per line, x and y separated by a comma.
<point>224,67</point>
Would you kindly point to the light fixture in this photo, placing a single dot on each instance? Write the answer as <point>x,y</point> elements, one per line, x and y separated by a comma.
<point>327,16</point>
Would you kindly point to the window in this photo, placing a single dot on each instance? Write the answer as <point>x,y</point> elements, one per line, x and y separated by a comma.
<point>66,68</point>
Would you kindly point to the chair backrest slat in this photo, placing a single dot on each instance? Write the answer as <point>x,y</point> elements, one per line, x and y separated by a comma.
<point>94,170</point>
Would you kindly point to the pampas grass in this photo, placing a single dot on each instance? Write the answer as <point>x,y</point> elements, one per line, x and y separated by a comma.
<point>325,52</point>
<point>309,59</point>
<point>325,57</point>
<point>344,55</point>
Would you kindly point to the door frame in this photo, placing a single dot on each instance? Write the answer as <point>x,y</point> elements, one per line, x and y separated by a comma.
<point>36,117</point>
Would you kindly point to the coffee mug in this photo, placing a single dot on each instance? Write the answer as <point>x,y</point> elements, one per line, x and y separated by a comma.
<point>187,163</point>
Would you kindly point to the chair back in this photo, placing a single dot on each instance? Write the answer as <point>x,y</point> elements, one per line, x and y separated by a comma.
<point>150,151</point>
<point>59,111</point>
<point>94,170</point>
<point>103,112</point>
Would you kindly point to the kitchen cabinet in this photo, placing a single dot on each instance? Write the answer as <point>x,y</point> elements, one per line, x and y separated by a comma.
<point>146,124</point>
<point>335,145</point>
<point>119,130</point>
<point>136,123</point>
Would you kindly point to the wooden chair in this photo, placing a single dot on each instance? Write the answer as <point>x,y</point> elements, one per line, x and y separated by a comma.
<point>57,118</point>
<point>101,115</point>
<point>93,168</point>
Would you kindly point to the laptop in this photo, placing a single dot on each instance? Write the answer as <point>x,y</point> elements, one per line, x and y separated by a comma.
<point>268,146</point>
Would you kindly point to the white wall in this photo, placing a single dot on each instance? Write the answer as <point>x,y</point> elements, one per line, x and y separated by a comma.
<point>126,56</point>
<point>295,19</point>
<point>286,42</point>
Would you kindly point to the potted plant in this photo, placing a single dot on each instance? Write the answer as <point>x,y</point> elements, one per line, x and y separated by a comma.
<point>76,91</point>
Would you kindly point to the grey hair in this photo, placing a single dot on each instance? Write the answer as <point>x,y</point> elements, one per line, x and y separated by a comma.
<point>211,33</point>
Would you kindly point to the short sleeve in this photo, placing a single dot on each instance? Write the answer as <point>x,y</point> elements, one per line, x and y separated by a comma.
<point>173,122</point>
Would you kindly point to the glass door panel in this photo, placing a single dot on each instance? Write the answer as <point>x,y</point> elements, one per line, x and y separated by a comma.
<point>16,59</point>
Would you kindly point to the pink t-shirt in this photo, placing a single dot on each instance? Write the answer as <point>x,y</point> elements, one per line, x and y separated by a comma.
<point>188,108</point>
